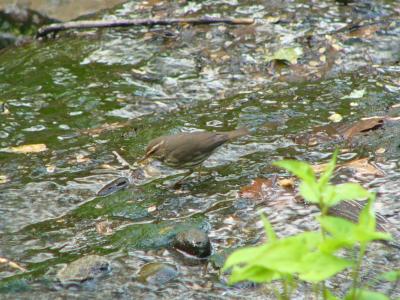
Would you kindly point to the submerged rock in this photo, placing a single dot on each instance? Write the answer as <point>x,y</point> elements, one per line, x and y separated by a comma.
<point>83,269</point>
<point>157,273</point>
<point>194,242</point>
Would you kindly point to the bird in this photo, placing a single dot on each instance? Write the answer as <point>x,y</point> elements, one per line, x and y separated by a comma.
<point>189,149</point>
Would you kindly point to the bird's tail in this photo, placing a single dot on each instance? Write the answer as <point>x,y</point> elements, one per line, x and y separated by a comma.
<point>237,133</point>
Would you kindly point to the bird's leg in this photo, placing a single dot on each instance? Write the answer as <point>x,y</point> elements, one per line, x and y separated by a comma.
<point>200,171</point>
<point>178,183</point>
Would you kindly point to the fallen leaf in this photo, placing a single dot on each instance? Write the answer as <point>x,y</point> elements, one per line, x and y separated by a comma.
<point>356,94</point>
<point>335,117</point>
<point>81,158</point>
<point>32,148</point>
<point>104,228</point>
<point>4,179</point>
<point>365,31</point>
<point>256,189</point>
<point>272,19</point>
<point>50,168</point>
<point>12,264</point>
<point>380,151</point>
<point>152,209</point>
<point>319,168</point>
<point>231,220</point>
<point>290,55</point>
<point>361,126</point>
<point>363,167</point>
<point>286,182</point>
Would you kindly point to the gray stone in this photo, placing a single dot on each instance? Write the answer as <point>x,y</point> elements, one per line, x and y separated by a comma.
<point>157,273</point>
<point>85,268</point>
<point>194,242</point>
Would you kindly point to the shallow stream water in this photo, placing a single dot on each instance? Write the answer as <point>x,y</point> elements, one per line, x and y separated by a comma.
<point>89,93</point>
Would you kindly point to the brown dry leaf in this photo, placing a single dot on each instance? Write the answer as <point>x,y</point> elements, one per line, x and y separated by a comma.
<point>256,189</point>
<point>104,228</point>
<point>319,135</point>
<point>32,148</point>
<point>286,183</point>
<point>363,167</point>
<point>361,126</point>
<point>12,264</point>
<point>364,31</point>
<point>319,168</point>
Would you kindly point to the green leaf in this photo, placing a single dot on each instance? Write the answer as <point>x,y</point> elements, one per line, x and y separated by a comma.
<point>331,245</point>
<point>269,230</point>
<point>367,215</point>
<point>286,255</point>
<point>347,234</point>
<point>390,276</point>
<point>319,266</point>
<point>366,295</point>
<point>348,191</point>
<point>301,169</point>
<point>330,296</point>
<point>339,228</point>
<point>328,193</point>
<point>365,236</point>
<point>366,230</point>
<point>309,191</point>
<point>326,176</point>
<point>252,273</point>
<point>244,256</point>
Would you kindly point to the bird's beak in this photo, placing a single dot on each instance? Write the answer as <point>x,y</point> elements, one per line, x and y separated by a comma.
<point>144,159</point>
<point>151,151</point>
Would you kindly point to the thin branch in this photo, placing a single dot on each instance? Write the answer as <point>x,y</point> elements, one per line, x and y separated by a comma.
<point>122,161</point>
<point>54,28</point>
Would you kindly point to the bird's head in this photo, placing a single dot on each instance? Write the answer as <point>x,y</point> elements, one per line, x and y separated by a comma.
<point>154,148</point>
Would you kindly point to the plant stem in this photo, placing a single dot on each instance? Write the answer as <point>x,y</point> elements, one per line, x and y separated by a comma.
<point>324,212</point>
<point>316,290</point>
<point>285,288</point>
<point>356,270</point>
<point>324,291</point>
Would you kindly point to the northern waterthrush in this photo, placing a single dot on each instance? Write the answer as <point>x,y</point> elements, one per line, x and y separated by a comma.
<point>188,150</point>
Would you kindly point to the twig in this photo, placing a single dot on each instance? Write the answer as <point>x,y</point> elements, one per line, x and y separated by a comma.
<point>12,264</point>
<point>54,28</point>
<point>122,161</point>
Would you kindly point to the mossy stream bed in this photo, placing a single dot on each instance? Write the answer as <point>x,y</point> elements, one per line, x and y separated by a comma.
<point>77,98</point>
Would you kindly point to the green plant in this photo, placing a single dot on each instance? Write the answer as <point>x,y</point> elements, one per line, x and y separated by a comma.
<point>313,256</point>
